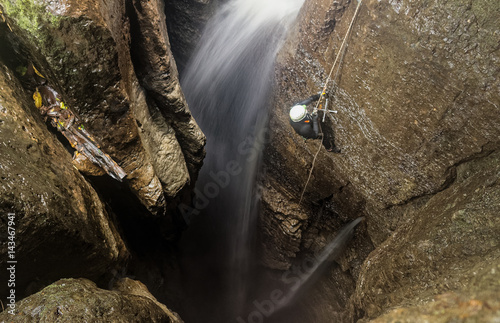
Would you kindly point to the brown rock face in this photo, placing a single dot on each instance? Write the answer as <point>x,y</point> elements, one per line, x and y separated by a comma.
<point>418,126</point>
<point>80,300</point>
<point>157,73</point>
<point>111,63</point>
<point>84,50</point>
<point>288,159</point>
<point>449,245</point>
<point>61,227</point>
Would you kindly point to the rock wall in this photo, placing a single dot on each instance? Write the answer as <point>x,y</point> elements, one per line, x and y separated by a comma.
<point>156,69</point>
<point>418,126</point>
<point>62,228</point>
<point>111,63</point>
<point>446,251</point>
<point>418,101</point>
<point>191,16</point>
<point>80,300</point>
<point>84,50</point>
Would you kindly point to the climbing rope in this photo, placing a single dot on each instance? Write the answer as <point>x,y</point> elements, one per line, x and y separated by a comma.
<point>311,170</point>
<point>340,66</point>
<point>340,55</point>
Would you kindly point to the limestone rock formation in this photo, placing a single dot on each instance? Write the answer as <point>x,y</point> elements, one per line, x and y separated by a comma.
<point>418,125</point>
<point>448,246</point>
<point>111,63</point>
<point>61,226</point>
<point>84,51</point>
<point>157,73</point>
<point>80,300</point>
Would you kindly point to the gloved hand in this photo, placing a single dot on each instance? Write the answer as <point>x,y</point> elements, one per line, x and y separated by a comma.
<point>315,112</point>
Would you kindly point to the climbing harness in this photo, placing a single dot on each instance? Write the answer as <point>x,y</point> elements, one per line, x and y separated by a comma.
<point>340,55</point>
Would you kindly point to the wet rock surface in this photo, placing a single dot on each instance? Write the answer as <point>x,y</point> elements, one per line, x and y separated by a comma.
<point>450,245</point>
<point>157,73</point>
<point>418,101</point>
<point>85,224</point>
<point>80,300</point>
<point>84,50</point>
<point>418,126</point>
<point>62,228</point>
<point>480,307</point>
<point>192,15</point>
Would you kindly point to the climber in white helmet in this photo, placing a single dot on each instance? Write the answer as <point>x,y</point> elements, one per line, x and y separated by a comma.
<point>305,124</point>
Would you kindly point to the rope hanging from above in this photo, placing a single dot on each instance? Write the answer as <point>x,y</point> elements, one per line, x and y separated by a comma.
<point>340,54</point>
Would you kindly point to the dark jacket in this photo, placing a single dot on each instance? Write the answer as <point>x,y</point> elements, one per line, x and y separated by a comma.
<point>307,127</point>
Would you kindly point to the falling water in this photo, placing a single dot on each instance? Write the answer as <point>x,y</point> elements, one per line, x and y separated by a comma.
<point>331,251</point>
<point>227,84</point>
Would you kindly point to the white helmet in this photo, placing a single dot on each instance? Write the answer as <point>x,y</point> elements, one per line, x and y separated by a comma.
<point>298,112</point>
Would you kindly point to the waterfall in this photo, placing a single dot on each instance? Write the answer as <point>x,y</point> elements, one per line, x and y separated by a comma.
<point>227,85</point>
<point>314,264</point>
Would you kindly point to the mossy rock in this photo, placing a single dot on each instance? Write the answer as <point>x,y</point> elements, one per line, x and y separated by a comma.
<point>80,300</point>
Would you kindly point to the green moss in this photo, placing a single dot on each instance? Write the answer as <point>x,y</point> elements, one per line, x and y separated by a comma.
<point>29,15</point>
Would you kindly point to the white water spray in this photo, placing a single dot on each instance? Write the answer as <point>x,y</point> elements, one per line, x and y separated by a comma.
<point>227,84</point>
<point>331,251</point>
